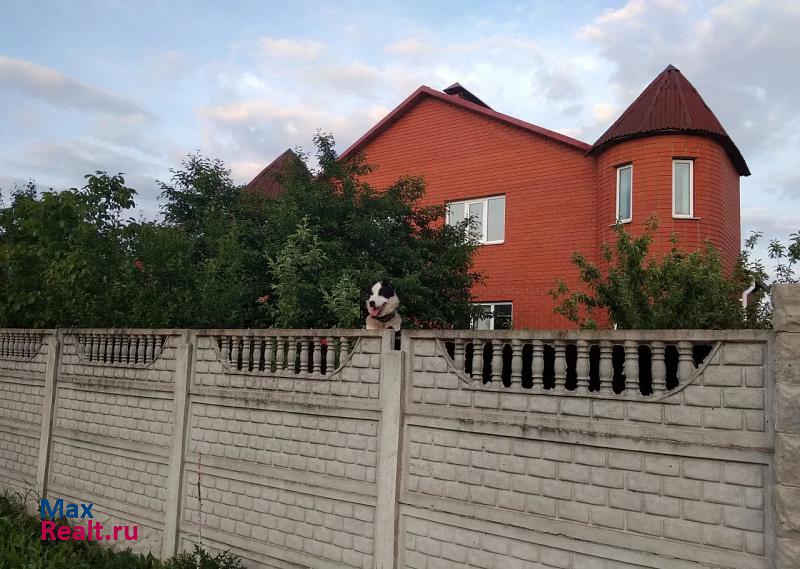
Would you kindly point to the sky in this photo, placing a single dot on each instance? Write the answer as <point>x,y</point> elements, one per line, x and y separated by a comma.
<point>134,87</point>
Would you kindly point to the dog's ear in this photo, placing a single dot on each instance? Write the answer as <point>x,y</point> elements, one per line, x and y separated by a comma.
<point>387,289</point>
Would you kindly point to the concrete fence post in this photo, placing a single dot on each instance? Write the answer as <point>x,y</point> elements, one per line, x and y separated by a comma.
<point>786,489</point>
<point>48,411</point>
<point>391,397</point>
<point>184,367</point>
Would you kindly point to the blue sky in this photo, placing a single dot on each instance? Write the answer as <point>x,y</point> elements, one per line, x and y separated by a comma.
<point>135,86</point>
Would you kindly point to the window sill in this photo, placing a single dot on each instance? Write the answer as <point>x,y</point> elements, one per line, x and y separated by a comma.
<point>492,242</point>
<point>621,223</point>
<point>687,217</point>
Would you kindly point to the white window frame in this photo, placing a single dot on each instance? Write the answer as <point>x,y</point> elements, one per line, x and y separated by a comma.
<point>492,306</point>
<point>618,219</point>
<point>690,162</point>
<point>485,214</point>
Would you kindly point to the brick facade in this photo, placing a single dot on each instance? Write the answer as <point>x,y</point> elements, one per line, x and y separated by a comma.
<point>560,192</point>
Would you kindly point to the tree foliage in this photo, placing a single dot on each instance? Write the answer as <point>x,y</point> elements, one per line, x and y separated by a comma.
<point>678,291</point>
<point>223,256</point>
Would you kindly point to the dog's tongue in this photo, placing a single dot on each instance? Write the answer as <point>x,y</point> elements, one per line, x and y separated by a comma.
<point>374,311</point>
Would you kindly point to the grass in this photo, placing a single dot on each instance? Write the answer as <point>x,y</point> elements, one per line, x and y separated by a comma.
<point>21,547</point>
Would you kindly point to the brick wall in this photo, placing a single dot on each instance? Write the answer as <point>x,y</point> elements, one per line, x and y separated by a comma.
<point>329,449</point>
<point>716,193</point>
<point>557,199</point>
<point>550,194</point>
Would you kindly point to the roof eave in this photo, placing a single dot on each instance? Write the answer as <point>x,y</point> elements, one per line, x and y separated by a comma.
<point>731,149</point>
<point>424,90</point>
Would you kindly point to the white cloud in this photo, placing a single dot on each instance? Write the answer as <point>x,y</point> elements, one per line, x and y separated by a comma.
<point>409,46</point>
<point>291,48</point>
<point>56,89</point>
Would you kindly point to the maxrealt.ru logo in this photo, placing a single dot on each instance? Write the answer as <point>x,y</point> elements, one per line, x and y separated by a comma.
<point>75,512</point>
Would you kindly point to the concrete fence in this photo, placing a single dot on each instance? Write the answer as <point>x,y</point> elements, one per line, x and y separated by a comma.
<point>494,450</point>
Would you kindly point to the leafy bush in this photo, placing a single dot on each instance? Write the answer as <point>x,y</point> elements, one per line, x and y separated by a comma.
<point>638,291</point>
<point>223,256</point>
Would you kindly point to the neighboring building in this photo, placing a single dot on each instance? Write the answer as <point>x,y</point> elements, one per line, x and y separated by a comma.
<point>540,195</point>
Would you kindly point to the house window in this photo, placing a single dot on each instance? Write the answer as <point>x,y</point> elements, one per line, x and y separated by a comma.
<point>496,316</point>
<point>624,193</point>
<point>489,215</point>
<point>682,188</point>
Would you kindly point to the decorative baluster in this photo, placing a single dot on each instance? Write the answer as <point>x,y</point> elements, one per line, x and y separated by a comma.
<point>95,355</point>
<point>140,349</point>
<point>606,367</point>
<point>269,352</point>
<point>330,355</point>
<point>235,352</point>
<point>31,345</point>
<point>130,349</point>
<point>560,365</point>
<point>316,356</point>
<point>458,354</point>
<point>2,344</point>
<point>685,361</point>
<point>17,345</point>
<point>344,351</point>
<point>257,353</point>
<point>102,354</point>
<point>280,361</point>
<point>497,361</point>
<point>582,366</point>
<point>246,353</point>
<point>225,349</point>
<point>516,362</point>
<point>116,348</point>
<point>631,367</point>
<point>291,354</point>
<point>151,348</point>
<point>12,346</point>
<point>658,367</point>
<point>477,360</point>
<point>537,363</point>
<point>303,354</point>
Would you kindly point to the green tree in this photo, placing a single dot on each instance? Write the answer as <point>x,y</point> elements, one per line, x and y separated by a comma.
<point>752,272</point>
<point>333,234</point>
<point>64,255</point>
<point>222,229</point>
<point>638,291</point>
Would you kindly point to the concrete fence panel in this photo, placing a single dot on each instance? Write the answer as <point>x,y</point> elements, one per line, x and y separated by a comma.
<point>466,449</point>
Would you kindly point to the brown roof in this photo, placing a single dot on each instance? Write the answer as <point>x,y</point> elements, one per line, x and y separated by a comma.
<point>459,99</point>
<point>267,182</point>
<point>670,104</point>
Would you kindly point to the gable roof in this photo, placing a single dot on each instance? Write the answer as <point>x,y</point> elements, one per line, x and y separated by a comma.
<point>267,181</point>
<point>458,100</point>
<point>670,104</point>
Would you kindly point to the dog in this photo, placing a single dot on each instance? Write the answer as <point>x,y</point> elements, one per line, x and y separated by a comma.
<point>382,303</point>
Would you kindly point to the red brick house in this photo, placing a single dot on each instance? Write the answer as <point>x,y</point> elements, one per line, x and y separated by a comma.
<point>540,195</point>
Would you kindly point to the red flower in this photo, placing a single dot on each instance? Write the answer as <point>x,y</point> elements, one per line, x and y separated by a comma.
<point>263,299</point>
<point>139,264</point>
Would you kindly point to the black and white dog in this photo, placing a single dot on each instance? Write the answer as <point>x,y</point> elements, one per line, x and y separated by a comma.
<point>382,303</point>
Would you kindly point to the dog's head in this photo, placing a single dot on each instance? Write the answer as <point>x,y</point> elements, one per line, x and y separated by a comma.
<point>382,300</point>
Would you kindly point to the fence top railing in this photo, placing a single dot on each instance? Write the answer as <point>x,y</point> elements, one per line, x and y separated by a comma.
<point>598,335</point>
<point>352,332</point>
<point>691,335</point>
